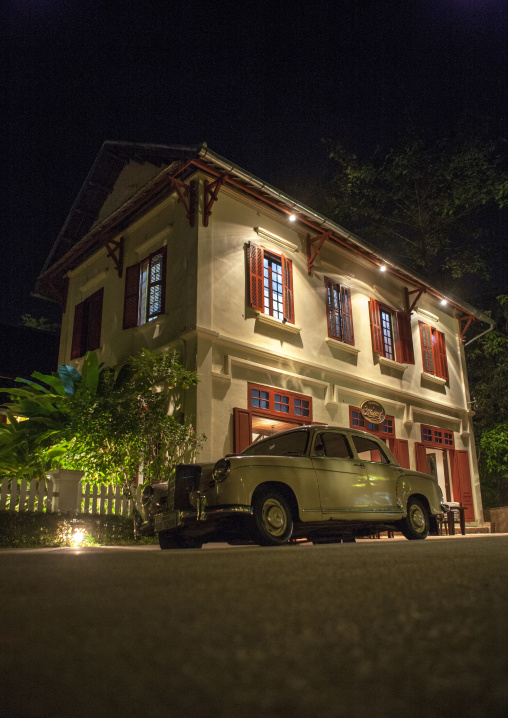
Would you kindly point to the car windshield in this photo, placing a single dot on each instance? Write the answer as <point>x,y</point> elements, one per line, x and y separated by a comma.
<point>294,443</point>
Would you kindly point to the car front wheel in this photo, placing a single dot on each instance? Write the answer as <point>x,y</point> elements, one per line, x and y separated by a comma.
<point>273,522</point>
<point>416,525</point>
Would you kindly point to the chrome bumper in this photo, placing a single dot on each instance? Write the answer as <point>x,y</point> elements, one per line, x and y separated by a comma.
<point>174,519</point>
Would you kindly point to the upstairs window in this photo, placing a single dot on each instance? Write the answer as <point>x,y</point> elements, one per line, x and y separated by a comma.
<point>145,290</point>
<point>270,283</point>
<point>86,332</point>
<point>391,333</point>
<point>338,310</point>
<point>433,351</point>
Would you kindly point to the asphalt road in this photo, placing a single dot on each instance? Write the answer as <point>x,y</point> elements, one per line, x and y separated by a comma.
<point>379,628</point>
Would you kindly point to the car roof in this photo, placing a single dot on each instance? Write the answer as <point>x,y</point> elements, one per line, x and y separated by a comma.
<point>315,427</point>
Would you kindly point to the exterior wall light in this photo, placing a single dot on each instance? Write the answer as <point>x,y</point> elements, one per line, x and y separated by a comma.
<point>292,217</point>
<point>382,267</point>
<point>443,302</point>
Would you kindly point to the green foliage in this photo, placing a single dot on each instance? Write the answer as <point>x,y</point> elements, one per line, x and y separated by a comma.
<point>41,323</point>
<point>124,424</point>
<point>45,530</point>
<point>487,361</point>
<point>422,202</point>
<point>38,427</point>
<point>106,424</point>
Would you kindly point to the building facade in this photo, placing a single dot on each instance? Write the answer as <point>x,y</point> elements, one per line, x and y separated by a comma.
<point>287,318</point>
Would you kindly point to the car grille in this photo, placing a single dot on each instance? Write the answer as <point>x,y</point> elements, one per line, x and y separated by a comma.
<point>187,477</point>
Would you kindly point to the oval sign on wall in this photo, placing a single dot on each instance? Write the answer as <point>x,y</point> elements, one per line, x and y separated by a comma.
<point>373,411</point>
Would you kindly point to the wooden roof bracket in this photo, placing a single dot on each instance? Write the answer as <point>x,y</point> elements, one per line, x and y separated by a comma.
<point>418,292</point>
<point>311,256</point>
<point>212,190</point>
<point>115,250</point>
<point>186,195</point>
<point>465,321</point>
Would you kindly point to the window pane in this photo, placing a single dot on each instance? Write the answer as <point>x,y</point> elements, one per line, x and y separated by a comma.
<point>386,328</point>
<point>294,443</point>
<point>333,445</point>
<point>369,450</point>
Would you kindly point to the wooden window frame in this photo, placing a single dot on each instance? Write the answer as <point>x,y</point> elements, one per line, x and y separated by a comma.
<point>401,334</point>
<point>434,355</point>
<point>255,262</point>
<point>431,436</point>
<point>131,316</point>
<point>341,315</point>
<point>272,392</point>
<point>375,429</point>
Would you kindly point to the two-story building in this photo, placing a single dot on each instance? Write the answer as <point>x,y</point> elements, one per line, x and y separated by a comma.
<point>287,317</point>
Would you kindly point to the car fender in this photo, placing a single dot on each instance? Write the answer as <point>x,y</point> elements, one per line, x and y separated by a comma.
<point>414,482</point>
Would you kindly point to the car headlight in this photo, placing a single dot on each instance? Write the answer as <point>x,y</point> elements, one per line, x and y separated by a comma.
<point>147,495</point>
<point>221,470</point>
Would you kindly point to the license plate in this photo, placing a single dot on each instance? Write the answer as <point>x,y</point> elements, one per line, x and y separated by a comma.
<point>169,520</point>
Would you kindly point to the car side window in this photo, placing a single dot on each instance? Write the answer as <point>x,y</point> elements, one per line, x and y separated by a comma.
<point>369,450</point>
<point>332,444</point>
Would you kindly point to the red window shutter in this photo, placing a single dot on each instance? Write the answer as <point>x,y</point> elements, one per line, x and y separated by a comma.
<point>287,288</point>
<point>400,449</point>
<point>461,482</point>
<point>421,458</point>
<point>346,315</point>
<point>131,297</point>
<point>375,327</point>
<point>427,350</point>
<point>404,350</point>
<point>256,257</point>
<point>95,320</point>
<point>77,331</point>
<point>242,429</point>
<point>441,362</point>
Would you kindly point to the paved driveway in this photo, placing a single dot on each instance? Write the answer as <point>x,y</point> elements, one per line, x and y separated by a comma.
<point>379,628</point>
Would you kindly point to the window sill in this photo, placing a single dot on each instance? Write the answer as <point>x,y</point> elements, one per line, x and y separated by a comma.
<point>272,322</point>
<point>434,379</point>
<point>392,364</point>
<point>337,344</point>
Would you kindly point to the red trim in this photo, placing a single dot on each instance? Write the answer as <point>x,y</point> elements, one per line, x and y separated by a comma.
<point>86,332</point>
<point>400,449</point>
<point>357,421</point>
<point>433,345</point>
<point>437,437</point>
<point>287,290</point>
<point>375,327</point>
<point>404,342</point>
<point>339,315</point>
<point>461,482</point>
<point>421,458</point>
<point>278,400</point>
<point>255,260</point>
<point>131,297</point>
<point>242,429</point>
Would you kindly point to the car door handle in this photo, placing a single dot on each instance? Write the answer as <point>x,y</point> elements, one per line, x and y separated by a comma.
<point>360,464</point>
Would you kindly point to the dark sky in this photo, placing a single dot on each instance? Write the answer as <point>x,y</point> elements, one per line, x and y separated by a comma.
<point>262,82</point>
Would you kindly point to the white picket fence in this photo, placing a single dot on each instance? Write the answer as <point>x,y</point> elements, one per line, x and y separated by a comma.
<point>38,496</point>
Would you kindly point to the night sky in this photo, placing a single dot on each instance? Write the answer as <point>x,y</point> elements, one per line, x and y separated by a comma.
<point>263,83</point>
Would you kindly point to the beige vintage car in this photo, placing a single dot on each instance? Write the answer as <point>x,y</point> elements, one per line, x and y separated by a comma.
<point>320,483</point>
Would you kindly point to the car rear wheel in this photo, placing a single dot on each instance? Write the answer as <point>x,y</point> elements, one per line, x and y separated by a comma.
<point>170,539</point>
<point>416,525</point>
<point>273,522</point>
